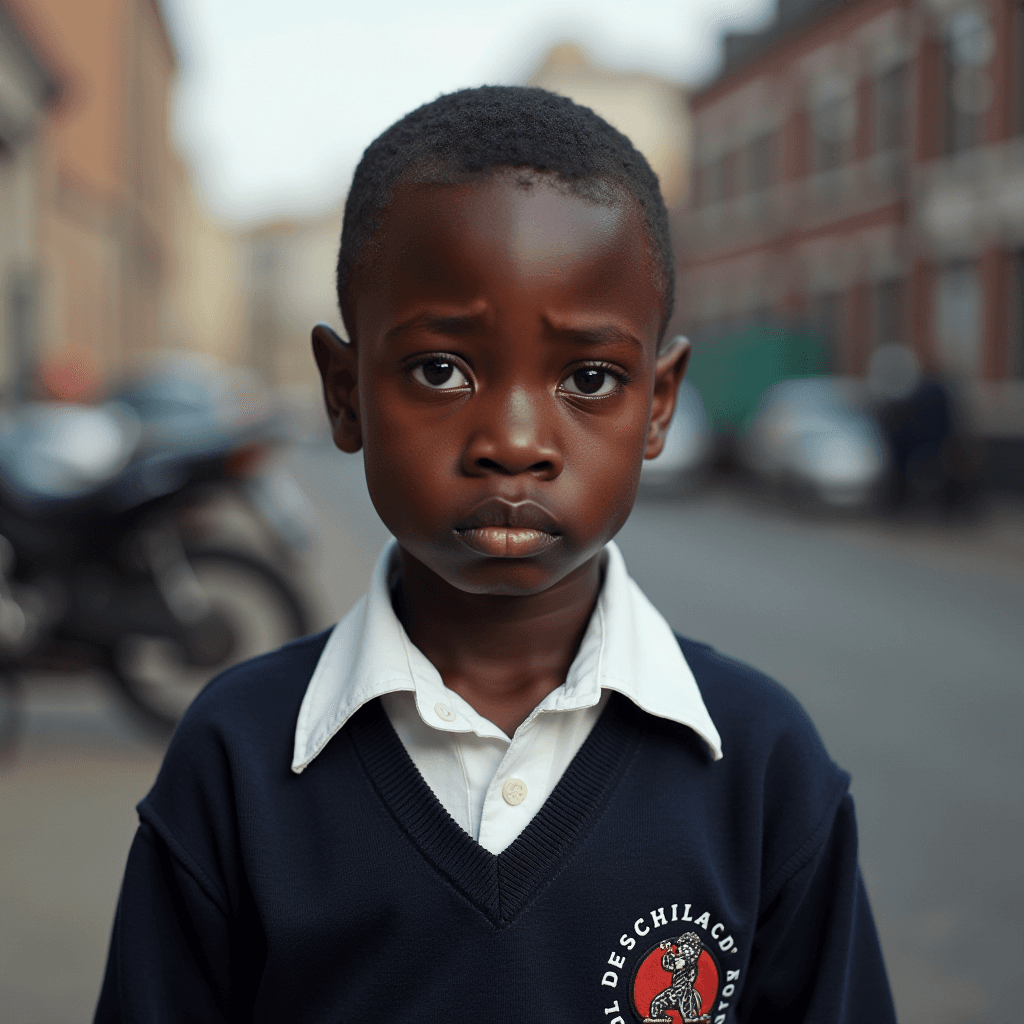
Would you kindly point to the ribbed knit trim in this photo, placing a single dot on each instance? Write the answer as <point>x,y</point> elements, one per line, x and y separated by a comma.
<point>500,886</point>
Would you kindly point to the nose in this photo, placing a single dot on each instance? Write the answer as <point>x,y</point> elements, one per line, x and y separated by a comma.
<point>513,438</point>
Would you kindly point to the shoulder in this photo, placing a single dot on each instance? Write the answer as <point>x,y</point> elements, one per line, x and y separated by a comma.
<point>747,706</point>
<point>774,761</point>
<point>252,706</point>
<point>256,696</point>
<point>233,746</point>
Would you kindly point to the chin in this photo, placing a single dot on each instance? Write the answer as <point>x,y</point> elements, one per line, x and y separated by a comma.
<point>515,577</point>
<point>506,577</point>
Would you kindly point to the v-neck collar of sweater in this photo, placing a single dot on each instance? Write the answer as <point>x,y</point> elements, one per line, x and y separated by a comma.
<point>499,885</point>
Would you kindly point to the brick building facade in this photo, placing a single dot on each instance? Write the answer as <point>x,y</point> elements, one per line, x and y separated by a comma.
<point>859,171</point>
<point>28,90</point>
<point>105,179</point>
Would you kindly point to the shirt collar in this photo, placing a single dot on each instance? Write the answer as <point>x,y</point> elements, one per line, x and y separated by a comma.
<point>628,647</point>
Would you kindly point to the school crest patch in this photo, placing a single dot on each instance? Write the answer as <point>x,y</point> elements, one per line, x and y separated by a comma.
<point>676,982</point>
<point>674,965</point>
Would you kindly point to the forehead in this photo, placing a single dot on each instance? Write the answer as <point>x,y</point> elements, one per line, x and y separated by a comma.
<point>510,240</point>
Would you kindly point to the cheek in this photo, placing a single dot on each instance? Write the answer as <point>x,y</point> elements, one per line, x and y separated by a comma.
<point>408,465</point>
<point>608,462</point>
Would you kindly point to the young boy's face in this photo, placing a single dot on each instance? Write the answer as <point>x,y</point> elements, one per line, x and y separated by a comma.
<point>504,381</point>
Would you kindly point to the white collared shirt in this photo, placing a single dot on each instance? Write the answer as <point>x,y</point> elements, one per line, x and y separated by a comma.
<point>491,784</point>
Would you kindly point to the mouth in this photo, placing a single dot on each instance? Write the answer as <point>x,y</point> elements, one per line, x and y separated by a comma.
<point>499,528</point>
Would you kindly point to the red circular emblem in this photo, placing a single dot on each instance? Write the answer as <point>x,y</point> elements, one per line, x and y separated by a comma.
<point>677,981</point>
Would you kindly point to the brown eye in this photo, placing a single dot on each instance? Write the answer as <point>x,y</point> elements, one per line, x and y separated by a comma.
<point>590,381</point>
<point>440,374</point>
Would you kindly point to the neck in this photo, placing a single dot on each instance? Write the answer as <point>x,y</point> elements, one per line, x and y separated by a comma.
<point>502,655</point>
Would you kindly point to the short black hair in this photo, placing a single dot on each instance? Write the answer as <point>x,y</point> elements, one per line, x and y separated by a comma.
<point>476,132</point>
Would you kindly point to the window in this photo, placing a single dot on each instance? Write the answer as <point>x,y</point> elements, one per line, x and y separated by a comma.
<point>958,319</point>
<point>833,122</point>
<point>829,135</point>
<point>732,182</point>
<point>698,187</point>
<point>969,45</point>
<point>761,162</point>
<point>1018,64</point>
<point>1015,363</point>
<point>711,184</point>
<point>890,110</point>
<point>826,313</point>
<point>21,313</point>
<point>887,312</point>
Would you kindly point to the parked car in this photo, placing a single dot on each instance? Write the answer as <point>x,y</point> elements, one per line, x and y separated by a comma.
<point>683,460</point>
<point>806,440</point>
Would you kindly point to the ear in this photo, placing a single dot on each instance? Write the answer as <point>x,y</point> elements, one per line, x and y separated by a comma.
<point>339,369</point>
<point>668,372</point>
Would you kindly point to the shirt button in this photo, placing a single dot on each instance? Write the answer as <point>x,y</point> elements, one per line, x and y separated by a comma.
<point>444,712</point>
<point>514,792</point>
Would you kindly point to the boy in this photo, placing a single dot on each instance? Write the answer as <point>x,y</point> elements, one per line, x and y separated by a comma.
<point>500,789</point>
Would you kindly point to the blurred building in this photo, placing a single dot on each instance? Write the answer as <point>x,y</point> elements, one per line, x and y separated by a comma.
<point>859,170</point>
<point>27,89</point>
<point>106,175</point>
<point>287,272</point>
<point>205,307</point>
<point>652,111</point>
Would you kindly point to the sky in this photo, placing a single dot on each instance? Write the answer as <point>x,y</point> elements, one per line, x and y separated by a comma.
<point>276,99</point>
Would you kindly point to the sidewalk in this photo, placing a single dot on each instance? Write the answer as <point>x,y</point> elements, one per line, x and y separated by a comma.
<point>68,819</point>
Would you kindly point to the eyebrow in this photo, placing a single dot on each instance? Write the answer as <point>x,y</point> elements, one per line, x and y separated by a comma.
<point>594,334</point>
<point>458,323</point>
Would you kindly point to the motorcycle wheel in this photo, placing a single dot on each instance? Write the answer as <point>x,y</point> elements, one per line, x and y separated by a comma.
<point>258,604</point>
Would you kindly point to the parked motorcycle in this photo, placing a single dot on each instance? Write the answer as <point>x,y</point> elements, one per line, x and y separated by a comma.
<point>106,561</point>
<point>186,403</point>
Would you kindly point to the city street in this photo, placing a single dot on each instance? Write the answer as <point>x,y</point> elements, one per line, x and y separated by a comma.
<point>903,644</point>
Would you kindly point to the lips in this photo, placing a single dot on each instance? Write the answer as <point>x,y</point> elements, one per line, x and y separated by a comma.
<point>499,528</point>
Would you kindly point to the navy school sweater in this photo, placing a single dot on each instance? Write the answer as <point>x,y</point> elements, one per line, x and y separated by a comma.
<point>654,884</point>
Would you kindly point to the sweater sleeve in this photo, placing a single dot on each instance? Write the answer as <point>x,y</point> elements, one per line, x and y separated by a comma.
<point>816,955</point>
<point>169,956</point>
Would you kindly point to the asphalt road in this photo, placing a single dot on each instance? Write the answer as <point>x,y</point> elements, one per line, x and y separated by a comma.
<point>904,645</point>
